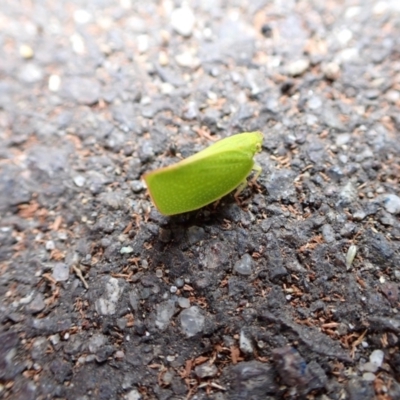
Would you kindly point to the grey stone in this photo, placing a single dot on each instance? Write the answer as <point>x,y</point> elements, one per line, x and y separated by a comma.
<point>331,118</point>
<point>191,111</point>
<point>359,215</point>
<point>104,353</point>
<point>391,202</point>
<point>37,304</point>
<point>133,395</point>
<point>97,341</point>
<point>114,200</point>
<point>331,70</point>
<point>134,298</point>
<point>61,272</point>
<point>8,349</point>
<point>328,233</point>
<point>183,20</point>
<point>192,321</point>
<point>245,343</point>
<point>165,235</point>
<point>126,250</point>
<point>39,347</point>
<point>195,234</point>
<point>205,370</point>
<point>290,366</point>
<point>107,304</point>
<point>30,73</point>
<point>165,311</point>
<point>347,195</point>
<point>79,180</point>
<point>183,302</point>
<point>146,151</point>
<point>61,370</point>
<point>74,345</point>
<point>315,340</point>
<point>245,265</point>
<point>348,230</point>
<point>298,67</point>
<point>251,380</point>
<point>280,184</point>
<point>359,389</point>
<point>137,186</point>
<point>83,90</point>
<point>276,270</point>
<point>51,325</point>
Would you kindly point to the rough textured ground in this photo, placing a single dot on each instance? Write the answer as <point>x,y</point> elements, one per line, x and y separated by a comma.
<point>291,294</point>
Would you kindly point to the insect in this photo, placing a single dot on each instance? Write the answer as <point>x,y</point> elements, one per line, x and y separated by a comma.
<point>206,176</point>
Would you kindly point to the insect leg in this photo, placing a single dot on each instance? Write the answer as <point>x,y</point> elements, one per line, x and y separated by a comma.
<point>239,189</point>
<point>258,171</point>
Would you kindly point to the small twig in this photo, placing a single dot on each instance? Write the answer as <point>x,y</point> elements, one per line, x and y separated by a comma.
<point>78,273</point>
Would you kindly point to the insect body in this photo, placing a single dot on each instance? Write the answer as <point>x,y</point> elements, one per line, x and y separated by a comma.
<point>206,176</point>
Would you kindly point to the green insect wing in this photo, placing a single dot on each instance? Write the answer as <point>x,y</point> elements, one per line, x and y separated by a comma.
<point>204,177</point>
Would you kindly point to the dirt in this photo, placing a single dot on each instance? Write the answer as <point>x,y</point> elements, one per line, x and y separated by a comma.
<point>291,292</point>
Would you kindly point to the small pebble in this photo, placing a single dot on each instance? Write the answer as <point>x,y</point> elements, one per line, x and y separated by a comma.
<point>164,235</point>
<point>137,186</point>
<point>205,370</point>
<point>245,343</point>
<point>54,83</point>
<point>55,339</point>
<point>78,44</point>
<point>134,395</point>
<point>377,357</point>
<point>167,377</point>
<point>344,36</point>
<point>179,282</point>
<point>142,42</point>
<point>393,96</point>
<point>314,102</point>
<point>163,58</point>
<point>244,266</point>
<point>183,20</point>
<point>328,233</point>
<point>79,180</point>
<point>348,194</point>
<point>50,245</point>
<point>298,67</point>
<point>191,111</point>
<point>391,202</point>
<point>159,273</point>
<point>165,312</point>
<point>368,376</point>
<point>60,272</point>
<point>126,250</point>
<point>380,7</point>
<point>37,304</point>
<point>37,367</point>
<point>359,215</point>
<point>25,51</point>
<point>183,302</point>
<point>82,16</point>
<point>341,139</point>
<point>30,73</point>
<point>187,60</point>
<point>192,321</point>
